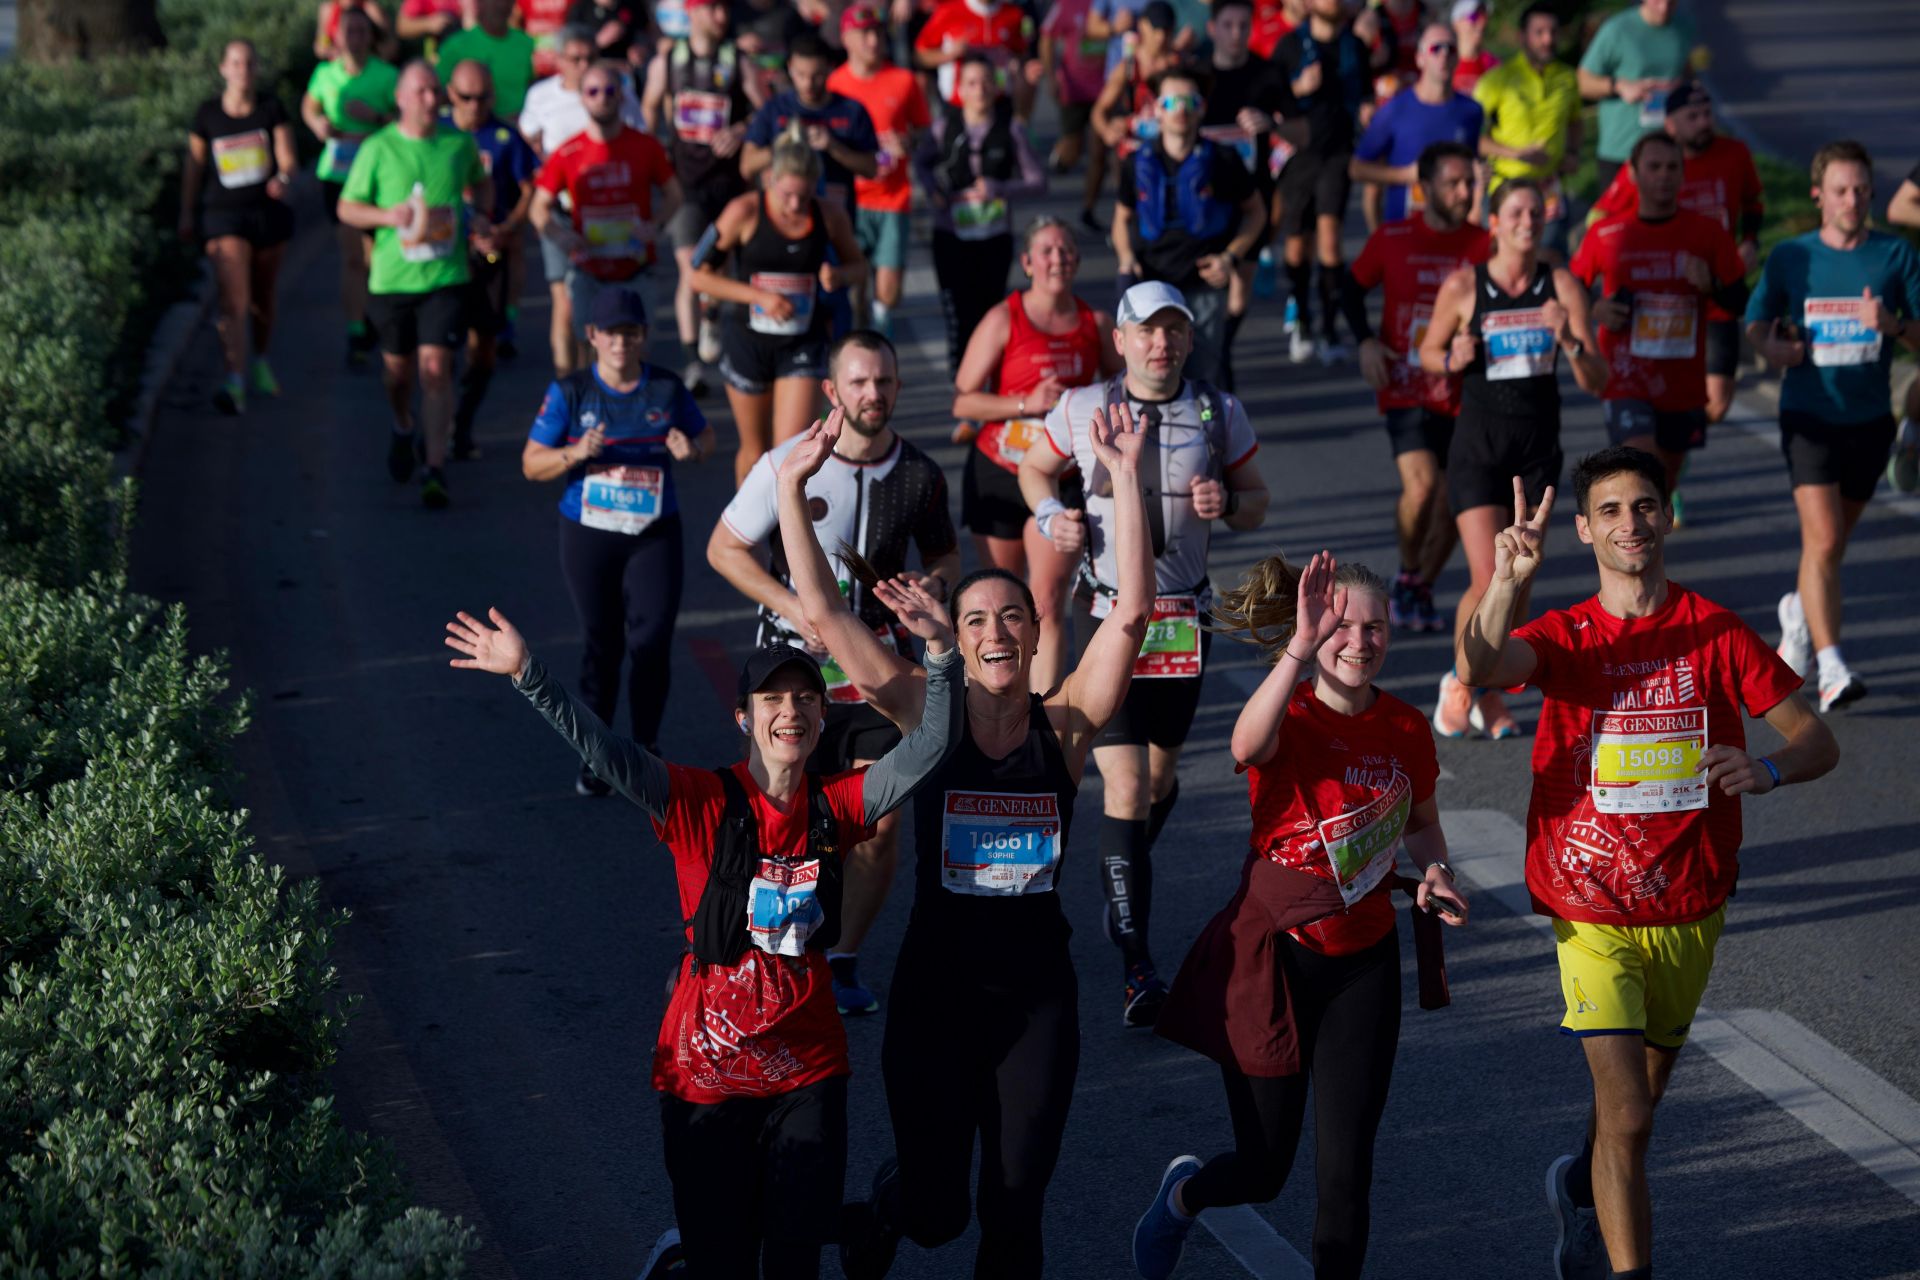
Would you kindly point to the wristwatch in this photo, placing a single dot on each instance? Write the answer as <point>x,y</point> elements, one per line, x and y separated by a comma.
<point>1444,867</point>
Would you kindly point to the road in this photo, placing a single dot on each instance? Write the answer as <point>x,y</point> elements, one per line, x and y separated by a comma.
<point>509,940</point>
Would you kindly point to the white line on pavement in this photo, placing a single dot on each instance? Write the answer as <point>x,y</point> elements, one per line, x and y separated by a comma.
<point>1865,1118</point>
<point>1259,1248</point>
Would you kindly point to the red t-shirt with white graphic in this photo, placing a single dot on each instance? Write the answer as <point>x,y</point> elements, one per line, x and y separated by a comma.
<point>1720,183</point>
<point>767,1025</point>
<point>1413,260</point>
<point>611,185</point>
<point>1000,34</point>
<point>1348,782</point>
<point>1661,356</point>
<point>1647,694</point>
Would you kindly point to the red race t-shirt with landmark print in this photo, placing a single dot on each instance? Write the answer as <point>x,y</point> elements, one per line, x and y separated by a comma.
<point>1720,182</point>
<point>1622,828</point>
<point>1661,356</point>
<point>1414,260</point>
<point>768,1024</point>
<point>1334,801</point>
<point>611,186</point>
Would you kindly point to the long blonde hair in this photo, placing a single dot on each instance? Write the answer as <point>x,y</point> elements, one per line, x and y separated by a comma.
<point>793,157</point>
<point>1260,611</point>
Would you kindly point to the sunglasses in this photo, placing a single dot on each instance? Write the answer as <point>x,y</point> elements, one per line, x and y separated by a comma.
<point>1442,46</point>
<point>457,96</point>
<point>1176,101</point>
<point>607,91</point>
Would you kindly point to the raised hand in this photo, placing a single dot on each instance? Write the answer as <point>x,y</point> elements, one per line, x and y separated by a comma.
<point>1117,438</point>
<point>1517,551</point>
<point>1318,606</point>
<point>919,611</point>
<point>499,648</point>
<point>812,448</point>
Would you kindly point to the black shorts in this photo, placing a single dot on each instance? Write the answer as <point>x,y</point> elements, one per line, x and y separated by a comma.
<point>488,294</point>
<point>1074,118</point>
<point>1723,348</point>
<point>1851,455</point>
<point>262,225</point>
<point>330,199</point>
<point>1674,431</point>
<point>1488,452</point>
<point>1410,430</point>
<point>852,731</point>
<point>1157,711</point>
<point>990,501</point>
<point>408,321</point>
<point>1313,186</point>
<point>753,362</point>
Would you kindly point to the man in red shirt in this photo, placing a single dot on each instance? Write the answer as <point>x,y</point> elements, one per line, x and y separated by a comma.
<point>542,19</point>
<point>1633,831</point>
<point>610,174</point>
<point>1719,181</point>
<point>1657,268</point>
<point>1413,257</point>
<point>990,27</point>
<point>893,98</point>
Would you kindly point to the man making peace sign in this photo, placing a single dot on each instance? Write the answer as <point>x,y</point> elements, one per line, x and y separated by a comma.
<point>1633,829</point>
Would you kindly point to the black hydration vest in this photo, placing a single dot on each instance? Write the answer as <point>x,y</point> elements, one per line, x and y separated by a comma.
<point>719,922</point>
<point>999,158</point>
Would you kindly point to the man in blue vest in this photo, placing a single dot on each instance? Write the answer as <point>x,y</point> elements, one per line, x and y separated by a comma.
<point>1188,213</point>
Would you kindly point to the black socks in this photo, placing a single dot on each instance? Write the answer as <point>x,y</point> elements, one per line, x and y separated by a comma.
<point>1329,300</point>
<point>1300,285</point>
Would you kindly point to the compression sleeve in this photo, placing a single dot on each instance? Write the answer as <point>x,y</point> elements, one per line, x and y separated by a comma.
<point>1353,305</point>
<point>897,774</point>
<point>622,763</point>
<point>1731,297</point>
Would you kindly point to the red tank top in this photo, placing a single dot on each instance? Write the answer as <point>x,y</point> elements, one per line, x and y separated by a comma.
<point>1031,358</point>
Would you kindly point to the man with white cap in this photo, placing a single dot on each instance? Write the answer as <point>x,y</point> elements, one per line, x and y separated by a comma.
<point>1193,472</point>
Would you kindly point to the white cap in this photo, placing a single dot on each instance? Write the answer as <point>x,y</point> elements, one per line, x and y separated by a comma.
<point>1464,9</point>
<point>1149,296</point>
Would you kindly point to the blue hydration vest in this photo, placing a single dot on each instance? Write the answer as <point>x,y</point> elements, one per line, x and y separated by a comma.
<point>1196,210</point>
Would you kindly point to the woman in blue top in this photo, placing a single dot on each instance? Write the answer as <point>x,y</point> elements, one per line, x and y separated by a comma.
<point>615,431</point>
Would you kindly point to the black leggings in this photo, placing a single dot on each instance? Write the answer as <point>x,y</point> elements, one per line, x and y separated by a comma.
<point>987,1046</point>
<point>626,591</point>
<point>973,277</point>
<point>1348,1012</point>
<point>757,1181</point>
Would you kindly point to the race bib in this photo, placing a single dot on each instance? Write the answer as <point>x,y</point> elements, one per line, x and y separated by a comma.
<point>1172,646</point>
<point>783,905</point>
<point>1664,325</point>
<point>1518,344</point>
<point>999,844</point>
<point>430,238</point>
<point>796,289</point>
<point>1835,334</point>
<point>1019,435</point>
<point>243,160</point>
<point>1555,200</point>
<point>1653,110</point>
<point>1278,157</point>
<point>698,116</point>
<point>839,687</point>
<point>622,499</point>
<point>1360,844</point>
<point>1234,139</point>
<point>338,156</point>
<point>616,231</point>
<point>1649,761</point>
<point>979,219</point>
<point>1418,322</point>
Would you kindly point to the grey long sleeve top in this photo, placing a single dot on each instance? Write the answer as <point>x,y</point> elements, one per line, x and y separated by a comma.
<point>641,776</point>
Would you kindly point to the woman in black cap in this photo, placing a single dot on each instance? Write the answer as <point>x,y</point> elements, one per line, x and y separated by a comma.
<point>751,1063</point>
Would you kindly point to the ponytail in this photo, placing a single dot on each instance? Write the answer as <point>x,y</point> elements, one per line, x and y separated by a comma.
<point>792,157</point>
<point>1260,611</point>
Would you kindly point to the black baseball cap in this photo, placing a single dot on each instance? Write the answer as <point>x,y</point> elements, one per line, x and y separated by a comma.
<point>1686,94</point>
<point>762,663</point>
<point>614,308</point>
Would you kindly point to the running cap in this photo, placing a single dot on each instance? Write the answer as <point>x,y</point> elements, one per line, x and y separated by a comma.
<point>613,308</point>
<point>862,17</point>
<point>1141,302</point>
<point>1466,10</point>
<point>1688,93</point>
<point>762,663</point>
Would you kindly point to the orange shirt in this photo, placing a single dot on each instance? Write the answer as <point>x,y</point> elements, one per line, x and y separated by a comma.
<point>893,98</point>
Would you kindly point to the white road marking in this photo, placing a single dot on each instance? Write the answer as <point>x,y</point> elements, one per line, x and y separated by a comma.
<point>1259,1248</point>
<point>1865,1118</point>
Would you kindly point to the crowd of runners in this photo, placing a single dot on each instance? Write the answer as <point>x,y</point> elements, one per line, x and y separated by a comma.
<point>757,170</point>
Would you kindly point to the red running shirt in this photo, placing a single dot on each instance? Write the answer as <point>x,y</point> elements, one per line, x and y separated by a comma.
<point>767,1025</point>
<point>1340,779</point>
<point>1643,692</point>
<point>1001,35</point>
<point>1661,357</point>
<point>1413,260</point>
<point>1031,358</point>
<point>1467,74</point>
<point>892,97</point>
<point>1270,27</point>
<point>611,185</point>
<point>1719,183</point>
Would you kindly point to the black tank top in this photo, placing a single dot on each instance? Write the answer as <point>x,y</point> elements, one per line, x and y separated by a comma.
<point>981,827</point>
<point>776,260</point>
<point>1515,373</point>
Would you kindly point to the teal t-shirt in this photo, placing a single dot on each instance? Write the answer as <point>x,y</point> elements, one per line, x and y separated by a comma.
<point>1627,48</point>
<point>432,252</point>
<point>1845,378</point>
<point>510,58</point>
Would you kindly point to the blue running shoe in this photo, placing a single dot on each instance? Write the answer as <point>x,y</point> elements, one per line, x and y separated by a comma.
<point>1578,1252</point>
<point>667,1258</point>
<point>854,1000</point>
<point>1160,1236</point>
<point>1266,276</point>
<point>1144,997</point>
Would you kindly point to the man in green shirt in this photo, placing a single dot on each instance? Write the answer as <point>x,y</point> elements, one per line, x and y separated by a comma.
<point>1636,56</point>
<point>506,51</point>
<point>1533,120</point>
<point>413,185</point>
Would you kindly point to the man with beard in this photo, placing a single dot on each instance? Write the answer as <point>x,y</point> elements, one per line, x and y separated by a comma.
<point>874,496</point>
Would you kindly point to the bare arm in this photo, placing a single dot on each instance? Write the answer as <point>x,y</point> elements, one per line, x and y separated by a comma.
<point>1904,209</point>
<point>1450,316</point>
<point>653,97</point>
<point>754,158</point>
<point>1386,175</point>
<point>1589,367</point>
<point>738,561</point>
<point>671,198</point>
<point>977,368</point>
<point>367,217</point>
<point>1319,605</point>
<point>731,229</point>
<point>1247,498</point>
<point>852,269</point>
<point>1487,654</point>
<point>192,175</point>
<point>1120,233</point>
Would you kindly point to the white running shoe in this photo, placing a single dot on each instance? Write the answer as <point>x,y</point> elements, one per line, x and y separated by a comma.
<point>1300,347</point>
<point>1796,642</point>
<point>1838,692</point>
<point>709,343</point>
<point>1903,468</point>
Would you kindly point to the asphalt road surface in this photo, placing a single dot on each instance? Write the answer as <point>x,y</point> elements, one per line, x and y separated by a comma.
<point>510,940</point>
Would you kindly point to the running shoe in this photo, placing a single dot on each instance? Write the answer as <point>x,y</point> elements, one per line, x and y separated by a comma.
<point>1579,1253</point>
<point>1300,347</point>
<point>854,1000</point>
<point>464,449</point>
<point>964,432</point>
<point>1491,717</point>
<point>588,783</point>
<point>1903,468</point>
<point>400,460</point>
<point>1145,996</point>
<point>1430,619</point>
<point>694,374</point>
<point>1403,602</point>
<point>1796,642</point>
<point>1840,690</point>
<point>1266,276</point>
<point>867,1244</point>
<point>260,374</point>
<point>359,347</point>
<point>433,489</point>
<point>231,398</point>
<point>667,1259</point>
<point>1091,223</point>
<point>1334,352</point>
<point>1159,1237</point>
<point>708,348</point>
<point>1453,713</point>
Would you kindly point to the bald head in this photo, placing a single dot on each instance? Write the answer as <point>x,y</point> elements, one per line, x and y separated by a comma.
<point>418,98</point>
<point>471,88</point>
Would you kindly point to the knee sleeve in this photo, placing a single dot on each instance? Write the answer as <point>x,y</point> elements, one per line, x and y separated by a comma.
<point>1127,878</point>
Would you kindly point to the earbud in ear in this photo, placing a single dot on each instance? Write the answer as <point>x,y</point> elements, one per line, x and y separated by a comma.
<point>744,731</point>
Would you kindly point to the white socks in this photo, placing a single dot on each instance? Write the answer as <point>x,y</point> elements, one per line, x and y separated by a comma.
<point>1833,667</point>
